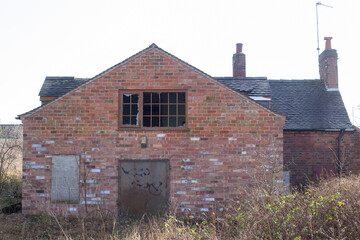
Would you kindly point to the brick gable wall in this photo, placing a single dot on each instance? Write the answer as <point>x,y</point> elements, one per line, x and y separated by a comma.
<point>228,141</point>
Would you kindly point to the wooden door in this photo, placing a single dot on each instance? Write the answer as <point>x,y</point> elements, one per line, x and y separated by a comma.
<point>143,186</point>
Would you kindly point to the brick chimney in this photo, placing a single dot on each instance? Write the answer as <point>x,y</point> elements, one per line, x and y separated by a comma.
<point>328,65</point>
<point>239,62</point>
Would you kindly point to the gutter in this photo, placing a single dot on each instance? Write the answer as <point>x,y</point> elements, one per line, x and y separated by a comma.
<point>322,130</point>
<point>339,162</point>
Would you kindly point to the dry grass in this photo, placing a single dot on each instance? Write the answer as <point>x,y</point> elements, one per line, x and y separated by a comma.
<point>18,226</point>
<point>328,211</point>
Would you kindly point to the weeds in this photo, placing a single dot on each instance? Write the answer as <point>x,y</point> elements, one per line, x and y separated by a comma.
<point>329,210</point>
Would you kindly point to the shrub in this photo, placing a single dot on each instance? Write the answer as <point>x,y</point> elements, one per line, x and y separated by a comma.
<point>10,190</point>
<point>328,210</point>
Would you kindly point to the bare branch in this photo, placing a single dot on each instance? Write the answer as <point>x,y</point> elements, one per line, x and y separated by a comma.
<point>10,149</point>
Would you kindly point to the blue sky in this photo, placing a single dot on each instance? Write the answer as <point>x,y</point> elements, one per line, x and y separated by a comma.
<point>81,38</point>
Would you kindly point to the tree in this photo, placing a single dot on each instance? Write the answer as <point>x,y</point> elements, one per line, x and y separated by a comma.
<point>10,150</point>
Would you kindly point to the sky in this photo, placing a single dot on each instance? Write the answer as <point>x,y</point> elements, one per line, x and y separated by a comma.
<point>82,38</point>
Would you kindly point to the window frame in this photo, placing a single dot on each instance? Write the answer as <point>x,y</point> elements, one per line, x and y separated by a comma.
<point>140,93</point>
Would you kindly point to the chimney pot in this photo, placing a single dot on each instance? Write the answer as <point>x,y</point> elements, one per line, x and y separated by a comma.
<point>328,42</point>
<point>239,47</point>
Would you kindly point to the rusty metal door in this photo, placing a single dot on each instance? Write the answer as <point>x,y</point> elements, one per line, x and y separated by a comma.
<point>143,186</point>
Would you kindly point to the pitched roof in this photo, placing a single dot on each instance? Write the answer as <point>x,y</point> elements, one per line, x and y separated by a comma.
<point>58,86</point>
<point>251,86</point>
<point>308,105</point>
<point>72,81</point>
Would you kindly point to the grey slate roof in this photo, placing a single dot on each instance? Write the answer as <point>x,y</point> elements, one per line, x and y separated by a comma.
<point>308,105</point>
<point>58,86</point>
<point>251,86</point>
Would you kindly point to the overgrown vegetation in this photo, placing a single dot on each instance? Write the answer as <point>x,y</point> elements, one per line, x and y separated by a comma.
<point>10,190</point>
<point>10,164</point>
<point>329,210</point>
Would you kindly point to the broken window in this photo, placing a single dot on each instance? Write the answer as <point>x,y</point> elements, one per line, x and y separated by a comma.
<point>130,109</point>
<point>65,178</point>
<point>153,109</point>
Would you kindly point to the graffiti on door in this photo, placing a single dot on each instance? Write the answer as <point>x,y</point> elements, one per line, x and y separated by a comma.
<point>143,186</point>
<point>138,178</point>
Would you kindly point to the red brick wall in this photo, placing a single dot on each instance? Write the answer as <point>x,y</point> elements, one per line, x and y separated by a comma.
<point>329,68</point>
<point>308,152</point>
<point>351,152</point>
<point>228,138</point>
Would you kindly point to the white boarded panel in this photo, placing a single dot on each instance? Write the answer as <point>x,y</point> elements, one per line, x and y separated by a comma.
<point>65,178</point>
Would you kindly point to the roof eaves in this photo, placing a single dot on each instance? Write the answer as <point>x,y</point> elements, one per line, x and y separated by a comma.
<point>241,78</point>
<point>292,80</point>
<point>18,117</point>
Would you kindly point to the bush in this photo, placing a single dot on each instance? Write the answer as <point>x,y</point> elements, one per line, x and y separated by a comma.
<point>328,210</point>
<point>10,190</point>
